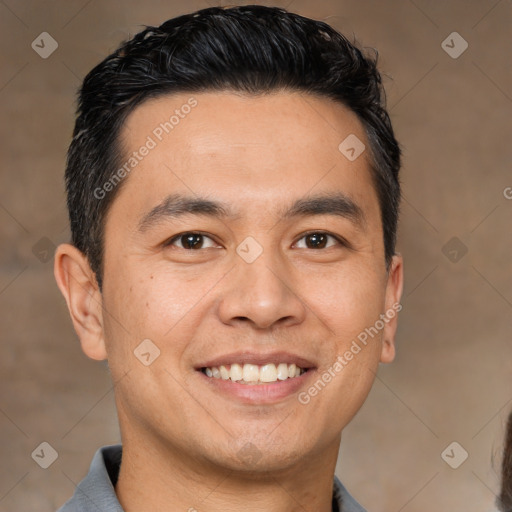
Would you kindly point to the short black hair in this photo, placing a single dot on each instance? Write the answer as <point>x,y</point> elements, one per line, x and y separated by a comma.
<point>504,500</point>
<point>245,49</point>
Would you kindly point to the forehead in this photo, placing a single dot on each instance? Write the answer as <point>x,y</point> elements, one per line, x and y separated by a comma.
<point>237,118</point>
<point>257,151</point>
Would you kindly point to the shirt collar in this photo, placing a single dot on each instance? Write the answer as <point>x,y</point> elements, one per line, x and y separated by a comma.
<point>96,492</point>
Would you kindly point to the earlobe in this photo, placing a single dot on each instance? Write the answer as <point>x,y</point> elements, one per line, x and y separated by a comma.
<point>394,290</point>
<point>78,284</point>
<point>387,354</point>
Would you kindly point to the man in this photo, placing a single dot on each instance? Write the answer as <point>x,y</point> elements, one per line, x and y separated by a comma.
<point>233,195</point>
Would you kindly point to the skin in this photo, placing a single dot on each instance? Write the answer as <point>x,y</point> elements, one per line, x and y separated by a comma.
<point>183,442</point>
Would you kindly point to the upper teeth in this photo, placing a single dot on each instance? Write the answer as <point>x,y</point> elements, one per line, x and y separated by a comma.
<point>254,373</point>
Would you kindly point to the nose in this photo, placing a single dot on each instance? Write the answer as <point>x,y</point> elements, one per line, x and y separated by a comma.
<point>261,293</point>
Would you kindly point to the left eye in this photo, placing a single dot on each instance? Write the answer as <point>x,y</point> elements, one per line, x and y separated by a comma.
<point>319,240</point>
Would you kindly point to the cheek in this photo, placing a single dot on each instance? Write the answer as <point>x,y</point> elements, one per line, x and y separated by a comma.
<point>349,301</point>
<point>154,303</point>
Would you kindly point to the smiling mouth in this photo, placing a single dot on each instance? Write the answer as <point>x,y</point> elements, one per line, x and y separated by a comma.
<point>253,374</point>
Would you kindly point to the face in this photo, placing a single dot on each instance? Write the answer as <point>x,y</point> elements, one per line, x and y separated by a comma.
<point>243,244</point>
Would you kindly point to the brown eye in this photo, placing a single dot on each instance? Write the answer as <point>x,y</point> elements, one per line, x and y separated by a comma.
<point>190,241</point>
<point>316,241</point>
<point>319,240</point>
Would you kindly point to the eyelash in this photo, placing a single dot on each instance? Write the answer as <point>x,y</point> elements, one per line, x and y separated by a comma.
<point>340,241</point>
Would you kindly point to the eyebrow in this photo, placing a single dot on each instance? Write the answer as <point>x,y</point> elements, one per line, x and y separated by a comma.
<point>175,206</point>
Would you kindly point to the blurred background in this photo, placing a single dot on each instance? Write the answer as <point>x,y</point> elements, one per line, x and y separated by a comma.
<point>429,436</point>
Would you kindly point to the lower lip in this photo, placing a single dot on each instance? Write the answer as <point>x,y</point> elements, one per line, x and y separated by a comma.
<point>258,393</point>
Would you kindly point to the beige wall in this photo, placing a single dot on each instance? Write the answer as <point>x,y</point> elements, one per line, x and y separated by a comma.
<point>451,380</point>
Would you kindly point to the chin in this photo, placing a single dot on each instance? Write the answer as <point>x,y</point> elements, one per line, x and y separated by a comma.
<point>257,460</point>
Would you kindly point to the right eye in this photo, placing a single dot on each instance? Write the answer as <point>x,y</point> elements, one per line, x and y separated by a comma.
<point>190,240</point>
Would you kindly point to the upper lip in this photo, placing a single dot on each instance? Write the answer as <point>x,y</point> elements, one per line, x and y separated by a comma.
<point>259,358</point>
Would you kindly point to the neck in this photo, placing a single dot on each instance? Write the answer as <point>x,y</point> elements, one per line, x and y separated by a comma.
<point>156,477</point>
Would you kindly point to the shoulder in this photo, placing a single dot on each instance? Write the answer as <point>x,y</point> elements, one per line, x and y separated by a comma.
<point>97,490</point>
<point>345,501</point>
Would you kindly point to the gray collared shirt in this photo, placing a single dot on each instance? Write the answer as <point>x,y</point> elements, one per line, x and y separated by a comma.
<point>96,493</point>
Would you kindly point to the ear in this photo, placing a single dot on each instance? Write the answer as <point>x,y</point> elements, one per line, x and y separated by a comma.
<point>394,289</point>
<point>78,284</point>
